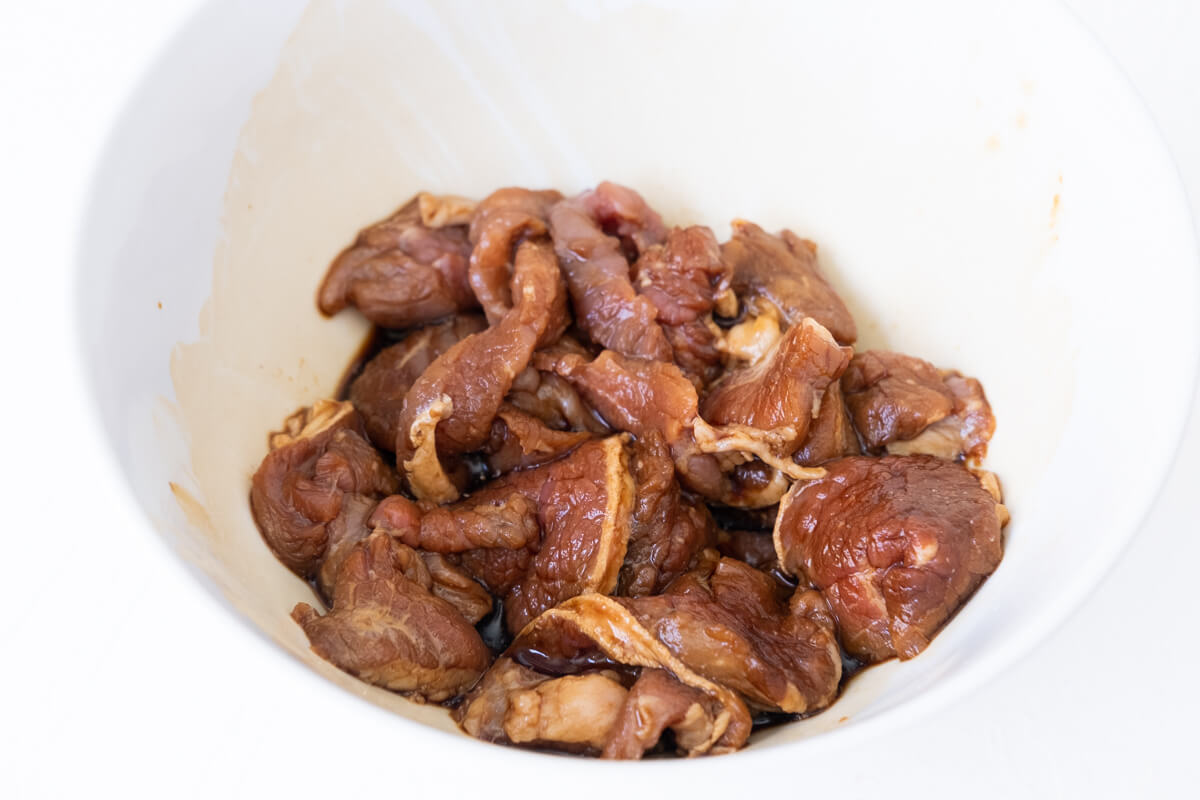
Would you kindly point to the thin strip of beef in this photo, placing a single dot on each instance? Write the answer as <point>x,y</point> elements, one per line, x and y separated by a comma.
<point>607,309</point>
<point>449,410</point>
<point>321,457</point>
<point>400,272</point>
<point>378,392</point>
<point>783,270</point>
<point>500,222</point>
<point>387,627</point>
<point>895,544</point>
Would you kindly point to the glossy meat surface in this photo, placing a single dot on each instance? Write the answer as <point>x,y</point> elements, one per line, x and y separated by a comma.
<point>783,270</point>
<point>388,628</point>
<point>594,634</point>
<point>378,392</point>
<point>895,544</point>
<point>400,272</point>
<point>320,458</point>
<point>683,278</point>
<point>500,222</point>
<point>784,389</point>
<point>566,523</point>
<point>456,400</point>
<point>597,268</point>
<point>724,621</point>
<point>831,434</point>
<point>668,530</point>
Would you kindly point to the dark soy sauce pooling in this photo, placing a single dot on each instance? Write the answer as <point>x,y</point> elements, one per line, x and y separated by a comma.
<point>493,630</point>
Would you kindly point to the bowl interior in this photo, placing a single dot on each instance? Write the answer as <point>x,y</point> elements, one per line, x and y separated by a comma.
<point>993,200</point>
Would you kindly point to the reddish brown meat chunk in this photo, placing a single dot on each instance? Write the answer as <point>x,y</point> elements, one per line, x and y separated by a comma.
<point>783,270</point>
<point>682,278</point>
<point>784,389</point>
<point>723,620</point>
<point>831,434</point>
<point>565,526</point>
<point>597,270</point>
<point>910,407</point>
<point>388,628</point>
<point>895,544</point>
<point>400,272</point>
<point>593,637</point>
<point>450,408</point>
<point>656,702</point>
<point>344,531</point>
<point>378,392</point>
<point>499,516</point>
<point>645,397</point>
<point>454,585</point>
<point>963,434</point>
<point>668,530</point>
<point>584,507</point>
<point>893,397</point>
<point>321,457</point>
<point>500,222</point>
<point>516,705</point>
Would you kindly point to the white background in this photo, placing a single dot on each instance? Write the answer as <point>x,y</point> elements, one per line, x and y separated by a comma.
<point>95,644</point>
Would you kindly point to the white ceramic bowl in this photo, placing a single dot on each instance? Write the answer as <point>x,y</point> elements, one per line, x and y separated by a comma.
<point>986,191</point>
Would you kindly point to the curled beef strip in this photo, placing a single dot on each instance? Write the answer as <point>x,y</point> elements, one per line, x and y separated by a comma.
<point>590,635</point>
<point>895,544</point>
<point>320,459</point>
<point>683,278</point>
<point>402,272</point>
<point>500,222</point>
<point>596,266</point>
<point>378,392</point>
<point>783,270</point>
<point>909,407</point>
<point>548,533</point>
<point>388,627</point>
<point>450,409</point>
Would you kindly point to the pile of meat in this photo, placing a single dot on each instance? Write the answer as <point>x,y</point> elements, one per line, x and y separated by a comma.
<point>615,488</point>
